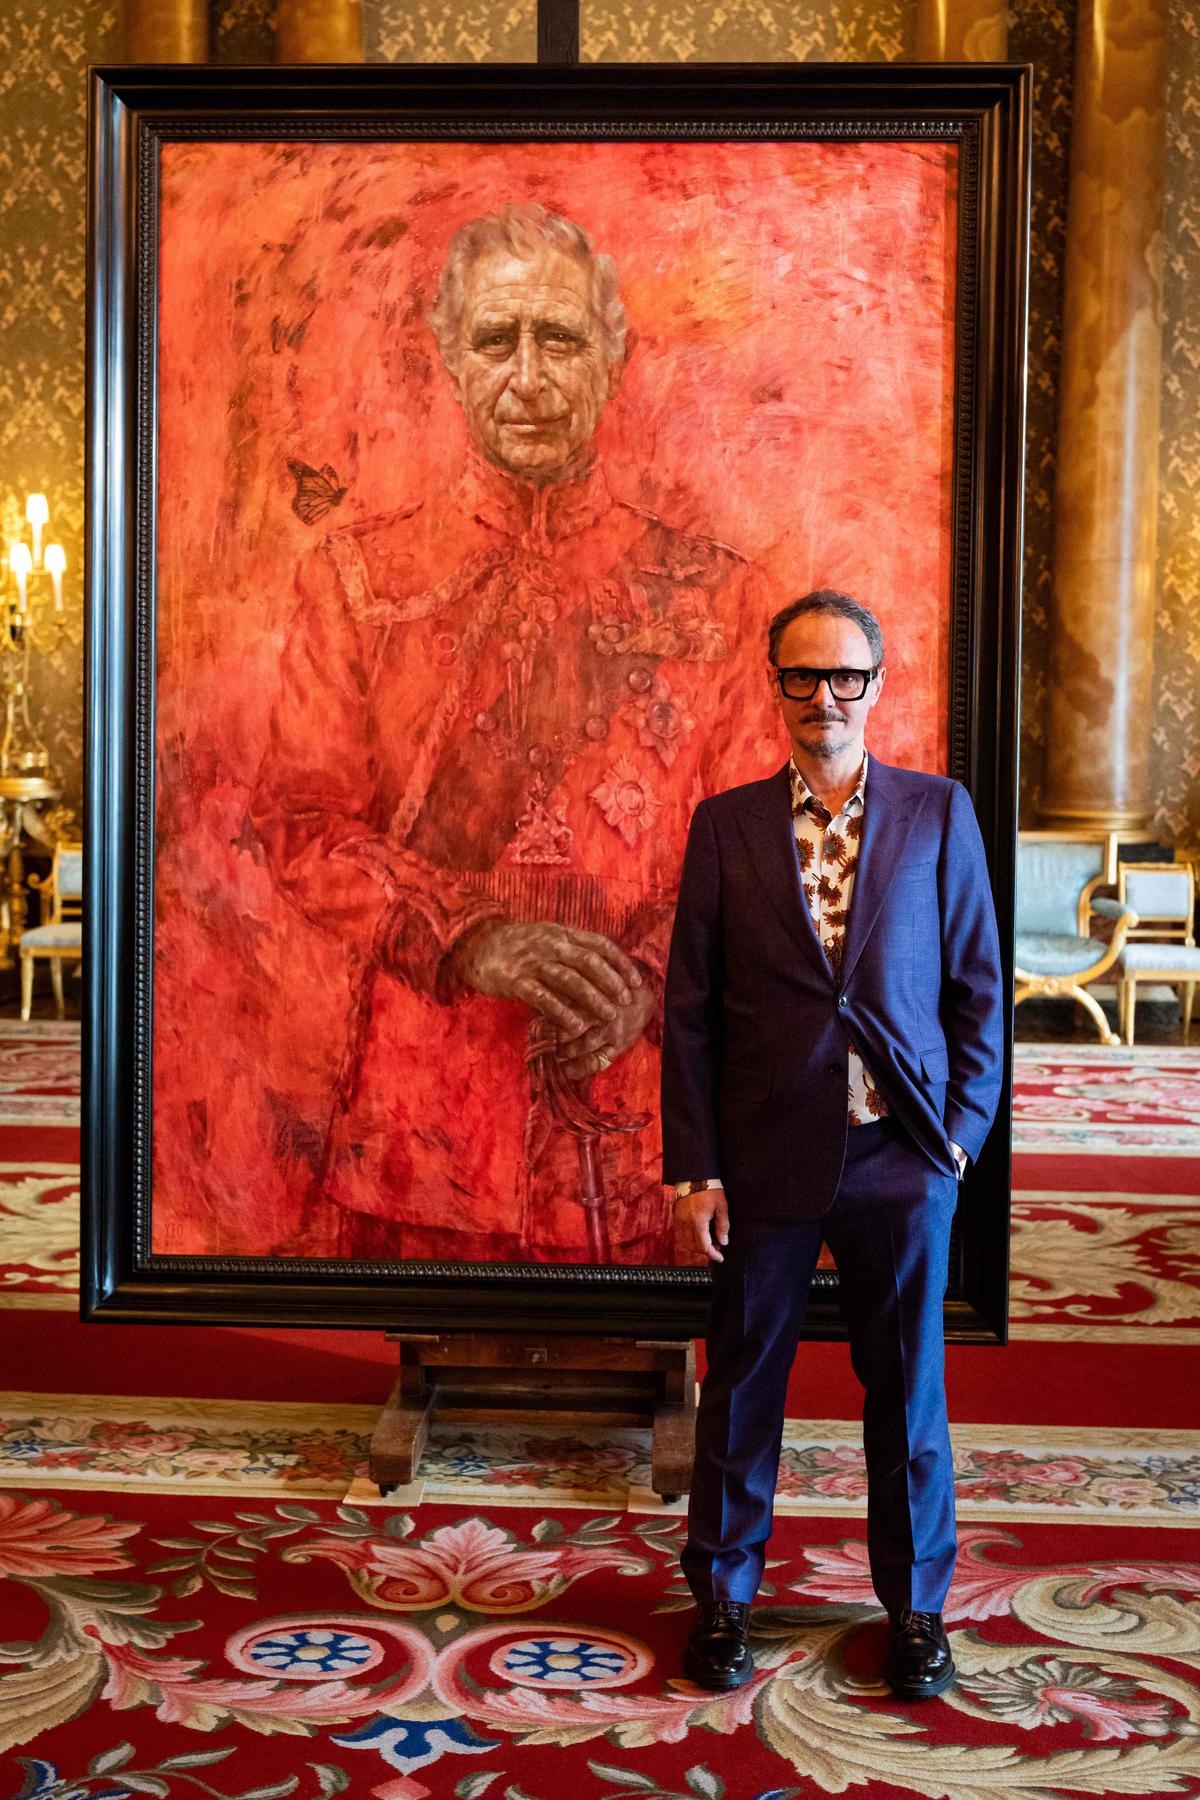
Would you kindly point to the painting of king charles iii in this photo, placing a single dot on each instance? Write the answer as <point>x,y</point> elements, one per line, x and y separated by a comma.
<point>499,706</point>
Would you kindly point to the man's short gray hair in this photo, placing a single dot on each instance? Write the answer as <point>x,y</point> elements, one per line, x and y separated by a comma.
<point>828,600</point>
<point>522,231</point>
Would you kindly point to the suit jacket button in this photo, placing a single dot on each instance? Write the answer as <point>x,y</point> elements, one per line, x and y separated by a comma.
<point>843,1003</point>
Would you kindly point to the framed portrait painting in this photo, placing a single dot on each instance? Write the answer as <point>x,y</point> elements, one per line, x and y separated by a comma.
<point>453,437</point>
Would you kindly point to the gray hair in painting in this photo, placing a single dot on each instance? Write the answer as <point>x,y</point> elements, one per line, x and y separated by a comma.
<point>522,230</point>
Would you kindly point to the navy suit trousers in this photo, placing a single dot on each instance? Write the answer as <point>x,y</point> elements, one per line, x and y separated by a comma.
<point>889,1231</point>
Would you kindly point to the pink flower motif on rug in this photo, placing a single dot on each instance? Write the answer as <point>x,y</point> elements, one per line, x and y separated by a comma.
<point>38,1538</point>
<point>474,1565</point>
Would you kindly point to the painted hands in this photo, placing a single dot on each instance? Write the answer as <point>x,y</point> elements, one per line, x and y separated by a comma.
<point>580,982</point>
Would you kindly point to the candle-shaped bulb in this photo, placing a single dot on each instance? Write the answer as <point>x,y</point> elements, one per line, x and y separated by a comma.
<point>56,562</point>
<point>20,562</point>
<point>37,512</point>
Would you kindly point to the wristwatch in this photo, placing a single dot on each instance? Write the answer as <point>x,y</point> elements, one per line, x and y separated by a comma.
<point>684,1188</point>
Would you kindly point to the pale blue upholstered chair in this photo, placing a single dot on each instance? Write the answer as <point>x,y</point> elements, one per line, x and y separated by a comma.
<point>1057,877</point>
<point>1163,946</point>
<point>59,938</point>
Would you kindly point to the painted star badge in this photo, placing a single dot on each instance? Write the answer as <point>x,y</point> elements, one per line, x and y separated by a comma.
<point>665,723</point>
<point>627,800</point>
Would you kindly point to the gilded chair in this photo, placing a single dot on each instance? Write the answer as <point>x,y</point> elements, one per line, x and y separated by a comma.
<point>59,937</point>
<point>1164,897</point>
<point>1058,874</point>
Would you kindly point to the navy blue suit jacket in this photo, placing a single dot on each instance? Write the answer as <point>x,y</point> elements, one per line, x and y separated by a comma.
<point>757,1027</point>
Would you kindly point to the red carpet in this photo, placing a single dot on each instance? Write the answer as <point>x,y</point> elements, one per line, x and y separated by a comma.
<point>1107,1174</point>
<point>1098,1384</point>
<point>314,1650</point>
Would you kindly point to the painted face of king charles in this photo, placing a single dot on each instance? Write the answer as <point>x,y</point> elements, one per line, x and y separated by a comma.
<point>531,368</point>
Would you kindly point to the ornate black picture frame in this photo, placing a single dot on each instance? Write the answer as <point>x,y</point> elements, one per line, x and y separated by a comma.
<point>982,111</point>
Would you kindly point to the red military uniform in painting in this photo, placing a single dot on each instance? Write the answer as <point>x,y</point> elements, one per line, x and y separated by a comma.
<point>502,704</point>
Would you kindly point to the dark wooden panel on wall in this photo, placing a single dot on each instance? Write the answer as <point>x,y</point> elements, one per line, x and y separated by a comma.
<point>558,31</point>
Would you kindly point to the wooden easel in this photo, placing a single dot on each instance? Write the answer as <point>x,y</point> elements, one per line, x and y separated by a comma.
<point>560,1383</point>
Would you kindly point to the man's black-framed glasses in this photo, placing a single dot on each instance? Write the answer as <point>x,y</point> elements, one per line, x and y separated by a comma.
<point>843,684</point>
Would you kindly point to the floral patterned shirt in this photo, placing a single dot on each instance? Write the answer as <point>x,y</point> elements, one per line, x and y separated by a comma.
<point>828,850</point>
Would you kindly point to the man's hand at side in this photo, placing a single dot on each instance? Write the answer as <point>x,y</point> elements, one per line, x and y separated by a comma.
<point>710,1221</point>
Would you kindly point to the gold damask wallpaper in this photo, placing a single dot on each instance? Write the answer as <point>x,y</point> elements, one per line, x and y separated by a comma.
<point>394,30</point>
<point>745,30</point>
<point>46,46</point>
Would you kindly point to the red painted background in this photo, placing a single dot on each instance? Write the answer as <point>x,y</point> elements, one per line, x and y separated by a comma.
<point>789,395</point>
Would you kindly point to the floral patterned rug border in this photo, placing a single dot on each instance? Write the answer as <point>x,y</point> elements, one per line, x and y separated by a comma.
<point>1179,1055</point>
<point>1144,1101</point>
<point>123,1443</point>
<point>40,1072</point>
<point>1096,1139</point>
<point>51,1110</point>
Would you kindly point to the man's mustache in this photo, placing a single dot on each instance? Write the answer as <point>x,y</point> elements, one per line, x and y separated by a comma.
<point>824,718</point>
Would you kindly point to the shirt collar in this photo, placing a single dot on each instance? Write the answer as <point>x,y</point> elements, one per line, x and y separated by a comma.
<point>803,797</point>
<point>536,515</point>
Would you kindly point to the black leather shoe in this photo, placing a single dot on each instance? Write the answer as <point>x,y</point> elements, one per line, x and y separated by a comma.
<point>919,1664</point>
<point>717,1656</point>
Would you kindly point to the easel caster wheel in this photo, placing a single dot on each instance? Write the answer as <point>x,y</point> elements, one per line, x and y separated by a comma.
<point>386,1488</point>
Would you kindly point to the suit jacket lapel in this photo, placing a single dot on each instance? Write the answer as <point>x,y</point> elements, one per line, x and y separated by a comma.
<point>888,816</point>
<point>771,841</point>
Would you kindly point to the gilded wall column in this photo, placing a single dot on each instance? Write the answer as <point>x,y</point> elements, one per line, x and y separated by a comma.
<point>961,31</point>
<point>1099,712</point>
<point>166,31</point>
<point>319,31</point>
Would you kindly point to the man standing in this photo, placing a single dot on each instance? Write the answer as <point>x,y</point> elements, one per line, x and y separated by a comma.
<point>832,1060</point>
